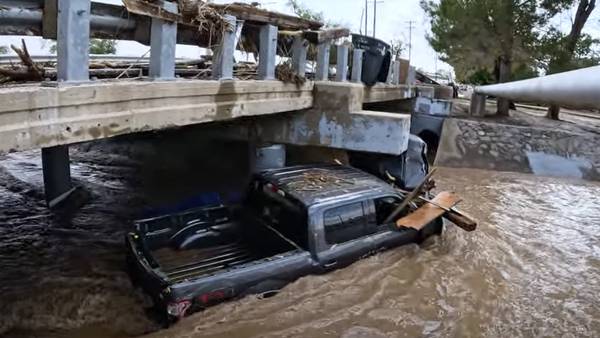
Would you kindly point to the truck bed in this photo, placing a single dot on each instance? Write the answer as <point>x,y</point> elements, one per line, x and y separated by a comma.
<point>203,242</point>
<point>179,265</point>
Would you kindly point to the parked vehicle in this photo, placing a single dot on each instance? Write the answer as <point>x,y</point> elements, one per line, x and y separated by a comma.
<point>295,221</point>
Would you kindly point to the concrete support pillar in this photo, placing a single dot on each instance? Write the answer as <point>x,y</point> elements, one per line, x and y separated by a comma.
<point>222,68</point>
<point>299,50</point>
<point>72,47</point>
<point>395,72</point>
<point>390,74</point>
<point>477,104</point>
<point>357,62</point>
<point>73,40</point>
<point>267,52</point>
<point>411,78</point>
<point>269,157</point>
<point>322,73</point>
<point>57,174</point>
<point>163,40</point>
<point>342,63</point>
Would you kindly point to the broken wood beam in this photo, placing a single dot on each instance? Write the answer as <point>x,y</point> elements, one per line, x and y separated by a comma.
<point>427,213</point>
<point>318,36</point>
<point>410,197</point>
<point>191,12</point>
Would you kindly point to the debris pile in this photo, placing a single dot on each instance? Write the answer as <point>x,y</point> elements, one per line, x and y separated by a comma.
<point>316,180</point>
<point>28,70</point>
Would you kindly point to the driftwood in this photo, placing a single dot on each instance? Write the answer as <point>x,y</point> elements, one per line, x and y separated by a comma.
<point>199,13</point>
<point>30,72</point>
<point>318,37</point>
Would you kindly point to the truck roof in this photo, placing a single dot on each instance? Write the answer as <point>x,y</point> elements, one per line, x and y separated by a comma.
<point>311,184</point>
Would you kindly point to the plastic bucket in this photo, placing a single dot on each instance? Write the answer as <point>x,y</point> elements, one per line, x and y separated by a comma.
<point>373,58</point>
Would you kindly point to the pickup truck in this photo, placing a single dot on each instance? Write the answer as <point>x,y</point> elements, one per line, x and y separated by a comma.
<point>293,222</point>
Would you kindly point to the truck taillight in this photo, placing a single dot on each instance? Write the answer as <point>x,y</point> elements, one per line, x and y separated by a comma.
<point>179,308</point>
<point>212,297</point>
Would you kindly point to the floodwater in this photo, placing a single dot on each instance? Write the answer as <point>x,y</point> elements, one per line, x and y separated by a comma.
<point>531,269</point>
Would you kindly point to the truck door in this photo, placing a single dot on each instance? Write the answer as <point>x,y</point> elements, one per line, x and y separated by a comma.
<point>345,233</point>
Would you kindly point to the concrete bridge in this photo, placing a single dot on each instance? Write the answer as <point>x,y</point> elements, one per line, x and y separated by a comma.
<point>53,115</point>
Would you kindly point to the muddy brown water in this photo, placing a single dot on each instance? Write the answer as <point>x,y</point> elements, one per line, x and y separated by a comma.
<point>531,269</point>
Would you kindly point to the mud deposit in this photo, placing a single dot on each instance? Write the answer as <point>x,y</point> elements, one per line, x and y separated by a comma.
<point>532,268</point>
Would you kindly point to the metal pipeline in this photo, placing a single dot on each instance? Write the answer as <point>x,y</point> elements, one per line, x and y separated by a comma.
<point>30,20</point>
<point>576,89</point>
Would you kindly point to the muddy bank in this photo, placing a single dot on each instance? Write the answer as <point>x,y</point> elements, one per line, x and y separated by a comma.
<point>531,269</point>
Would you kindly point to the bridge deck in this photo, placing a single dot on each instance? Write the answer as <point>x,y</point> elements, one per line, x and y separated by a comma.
<point>39,116</point>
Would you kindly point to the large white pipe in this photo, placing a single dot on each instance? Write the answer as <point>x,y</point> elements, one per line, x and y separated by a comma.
<point>576,89</point>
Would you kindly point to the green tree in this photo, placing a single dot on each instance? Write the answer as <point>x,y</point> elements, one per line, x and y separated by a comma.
<point>304,12</point>
<point>97,46</point>
<point>484,35</point>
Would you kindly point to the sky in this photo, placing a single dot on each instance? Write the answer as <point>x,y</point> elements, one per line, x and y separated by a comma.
<point>393,20</point>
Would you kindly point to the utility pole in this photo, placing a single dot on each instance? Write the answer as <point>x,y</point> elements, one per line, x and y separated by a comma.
<point>375,15</point>
<point>410,27</point>
<point>362,15</point>
<point>366,16</point>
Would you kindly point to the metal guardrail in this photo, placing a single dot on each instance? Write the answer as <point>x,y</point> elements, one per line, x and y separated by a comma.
<point>8,59</point>
<point>576,89</point>
<point>80,20</point>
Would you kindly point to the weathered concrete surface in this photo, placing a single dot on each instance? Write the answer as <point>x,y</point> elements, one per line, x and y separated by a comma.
<point>359,131</point>
<point>425,105</point>
<point>338,121</point>
<point>35,117</point>
<point>504,147</point>
<point>388,92</point>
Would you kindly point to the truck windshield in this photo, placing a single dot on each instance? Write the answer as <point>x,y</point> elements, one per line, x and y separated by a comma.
<point>283,214</point>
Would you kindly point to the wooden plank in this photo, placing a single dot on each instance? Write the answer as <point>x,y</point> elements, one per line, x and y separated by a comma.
<point>429,212</point>
<point>318,37</point>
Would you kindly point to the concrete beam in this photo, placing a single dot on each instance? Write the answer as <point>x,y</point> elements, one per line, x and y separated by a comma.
<point>426,91</point>
<point>338,121</point>
<point>38,117</point>
<point>425,105</point>
<point>387,92</point>
<point>368,131</point>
